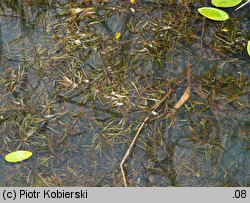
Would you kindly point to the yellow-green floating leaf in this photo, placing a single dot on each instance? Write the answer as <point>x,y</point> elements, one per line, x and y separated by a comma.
<point>18,156</point>
<point>225,3</point>
<point>213,13</point>
<point>248,47</point>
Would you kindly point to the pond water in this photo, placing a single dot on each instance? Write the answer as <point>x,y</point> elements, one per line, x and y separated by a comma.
<point>75,93</point>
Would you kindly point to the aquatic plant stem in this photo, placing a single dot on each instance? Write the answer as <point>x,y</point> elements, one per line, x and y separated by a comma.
<point>129,149</point>
<point>154,108</point>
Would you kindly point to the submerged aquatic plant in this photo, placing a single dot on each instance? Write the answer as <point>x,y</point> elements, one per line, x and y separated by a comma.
<point>103,69</point>
<point>248,47</point>
<point>218,14</point>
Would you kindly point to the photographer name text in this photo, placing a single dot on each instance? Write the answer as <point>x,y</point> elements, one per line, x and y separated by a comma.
<point>45,194</point>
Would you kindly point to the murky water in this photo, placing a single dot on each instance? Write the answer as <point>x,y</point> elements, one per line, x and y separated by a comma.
<point>77,109</point>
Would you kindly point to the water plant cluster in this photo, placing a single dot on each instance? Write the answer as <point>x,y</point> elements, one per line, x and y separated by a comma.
<point>79,79</point>
<point>220,15</point>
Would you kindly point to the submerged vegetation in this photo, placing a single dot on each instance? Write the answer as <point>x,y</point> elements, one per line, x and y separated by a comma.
<point>78,79</point>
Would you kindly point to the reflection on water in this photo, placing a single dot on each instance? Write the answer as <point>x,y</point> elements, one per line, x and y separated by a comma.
<point>75,95</point>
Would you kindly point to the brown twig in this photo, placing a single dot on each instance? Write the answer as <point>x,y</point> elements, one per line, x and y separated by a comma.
<point>154,108</point>
<point>129,149</point>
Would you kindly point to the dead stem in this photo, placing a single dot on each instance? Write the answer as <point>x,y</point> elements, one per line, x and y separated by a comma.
<point>154,108</point>
<point>186,94</point>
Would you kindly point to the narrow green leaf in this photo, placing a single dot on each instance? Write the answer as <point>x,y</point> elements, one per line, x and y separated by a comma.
<point>213,13</point>
<point>18,156</point>
<point>226,3</point>
<point>248,47</point>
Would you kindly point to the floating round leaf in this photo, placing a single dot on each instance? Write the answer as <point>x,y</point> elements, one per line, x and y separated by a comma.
<point>213,13</point>
<point>18,156</point>
<point>225,3</point>
<point>248,47</point>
